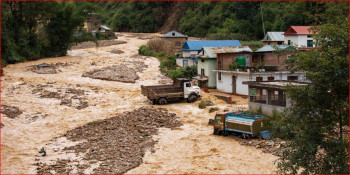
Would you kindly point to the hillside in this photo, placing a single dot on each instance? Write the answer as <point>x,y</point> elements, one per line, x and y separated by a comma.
<point>215,20</point>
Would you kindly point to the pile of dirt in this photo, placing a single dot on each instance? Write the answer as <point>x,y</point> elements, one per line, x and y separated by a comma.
<point>275,146</point>
<point>120,73</point>
<point>70,97</point>
<point>35,117</point>
<point>10,111</point>
<point>116,145</point>
<point>2,125</point>
<point>116,51</point>
<point>101,43</point>
<point>45,68</point>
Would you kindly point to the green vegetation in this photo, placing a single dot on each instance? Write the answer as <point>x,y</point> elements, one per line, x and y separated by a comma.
<point>183,72</point>
<point>214,20</point>
<point>32,30</point>
<point>213,109</point>
<point>315,122</point>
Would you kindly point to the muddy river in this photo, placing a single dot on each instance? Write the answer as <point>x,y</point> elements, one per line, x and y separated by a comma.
<point>40,108</point>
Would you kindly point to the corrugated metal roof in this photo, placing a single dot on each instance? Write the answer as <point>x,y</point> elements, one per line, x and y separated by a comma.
<point>301,30</point>
<point>269,48</point>
<point>211,52</point>
<point>174,34</point>
<point>198,45</point>
<point>106,28</point>
<point>274,36</point>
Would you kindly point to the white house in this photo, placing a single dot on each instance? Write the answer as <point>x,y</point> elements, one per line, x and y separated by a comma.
<point>299,36</point>
<point>273,38</point>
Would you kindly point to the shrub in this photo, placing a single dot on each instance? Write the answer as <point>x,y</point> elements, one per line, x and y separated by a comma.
<point>144,50</point>
<point>202,105</point>
<point>232,66</point>
<point>213,109</point>
<point>161,46</point>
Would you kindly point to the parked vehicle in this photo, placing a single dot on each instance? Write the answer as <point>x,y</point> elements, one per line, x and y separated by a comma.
<point>247,125</point>
<point>180,89</point>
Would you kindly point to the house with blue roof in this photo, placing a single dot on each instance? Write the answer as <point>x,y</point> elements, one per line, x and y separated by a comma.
<point>191,48</point>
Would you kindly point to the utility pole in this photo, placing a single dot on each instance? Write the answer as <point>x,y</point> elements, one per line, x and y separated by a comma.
<point>262,17</point>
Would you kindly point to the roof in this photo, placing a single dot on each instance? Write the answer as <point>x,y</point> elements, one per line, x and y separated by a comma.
<point>174,34</point>
<point>298,30</point>
<point>198,45</point>
<point>270,48</point>
<point>279,84</point>
<point>212,51</point>
<point>105,27</point>
<point>274,36</point>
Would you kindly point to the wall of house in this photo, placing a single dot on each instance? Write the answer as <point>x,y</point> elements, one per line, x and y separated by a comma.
<point>208,65</point>
<point>273,59</point>
<point>188,53</point>
<point>182,40</point>
<point>267,109</point>
<point>225,85</point>
<point>270,43</point>
<point>298,40</point>
<point>191,62</point>
<point>229,58</point>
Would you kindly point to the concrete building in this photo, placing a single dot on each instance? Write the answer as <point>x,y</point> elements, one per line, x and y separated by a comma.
<point>176,39</point>
<point>273,38</point>
<point>300,37</point>
<point>263,65</point>
<point>269,96</point>
<point>191,48</point>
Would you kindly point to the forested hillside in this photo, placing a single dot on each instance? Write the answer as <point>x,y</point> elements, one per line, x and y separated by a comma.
<point>32,30</point>
<point>216,20</point>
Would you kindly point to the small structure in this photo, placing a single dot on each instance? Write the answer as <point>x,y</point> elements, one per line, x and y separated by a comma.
<point>175,38</point>
<point>191,49</point>
<point>273,38</point>
<point>300,36</point>
<point>269,96</point>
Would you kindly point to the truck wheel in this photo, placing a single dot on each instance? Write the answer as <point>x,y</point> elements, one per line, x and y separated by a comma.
<point>216,131</point>
<point>162,101</point>
<point>192,98</point>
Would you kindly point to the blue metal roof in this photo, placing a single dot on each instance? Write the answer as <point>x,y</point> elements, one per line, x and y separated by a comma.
<point>198,45</point>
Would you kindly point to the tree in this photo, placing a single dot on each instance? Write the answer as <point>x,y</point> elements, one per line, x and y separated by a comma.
<point>320,110</point>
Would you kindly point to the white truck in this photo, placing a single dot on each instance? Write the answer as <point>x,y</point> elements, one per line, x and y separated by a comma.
<point>180,89</point>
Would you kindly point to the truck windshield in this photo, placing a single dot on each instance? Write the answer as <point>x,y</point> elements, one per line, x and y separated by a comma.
<point>188,84</point>
<point>218,118</point>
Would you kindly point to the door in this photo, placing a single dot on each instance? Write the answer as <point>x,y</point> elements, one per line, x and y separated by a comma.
<point>185,63</point>
<point>234,84</point>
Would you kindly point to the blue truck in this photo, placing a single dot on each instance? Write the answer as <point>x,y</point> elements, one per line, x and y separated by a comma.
<point>245,124</point>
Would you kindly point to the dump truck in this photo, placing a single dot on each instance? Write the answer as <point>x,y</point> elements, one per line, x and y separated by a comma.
<point>247,125</point>
<point>181,88</point>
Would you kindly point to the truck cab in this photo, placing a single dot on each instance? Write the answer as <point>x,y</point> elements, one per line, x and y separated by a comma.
<point>189,90</point>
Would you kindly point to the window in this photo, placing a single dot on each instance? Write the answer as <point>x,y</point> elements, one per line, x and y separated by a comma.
<point>203,60</point>
<point>280,42</point>
<point>220,62</point>
<point>257,95</point>
<point>202,72</point>
<point>289,56</point>
<point>270,78</point>
<point>292,78</point>
<point>219,76</point>
<point>277,98</point>
<point>185,63</point>
<point>309,36</point>
<point>289,42</point>
<point>173,34</point>
<point>259,79</point>
<point>310,43</point>
<point>178,43</point>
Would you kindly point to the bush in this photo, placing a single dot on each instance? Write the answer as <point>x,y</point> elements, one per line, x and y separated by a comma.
<point>232,66</point>
<point>202,105</point>
<point>144,50</point>
<point>187,72</point>
<point>161,46</point>
<point>213,109</point>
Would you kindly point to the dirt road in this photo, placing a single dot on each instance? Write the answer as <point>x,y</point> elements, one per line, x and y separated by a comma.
<point>52,104</point>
